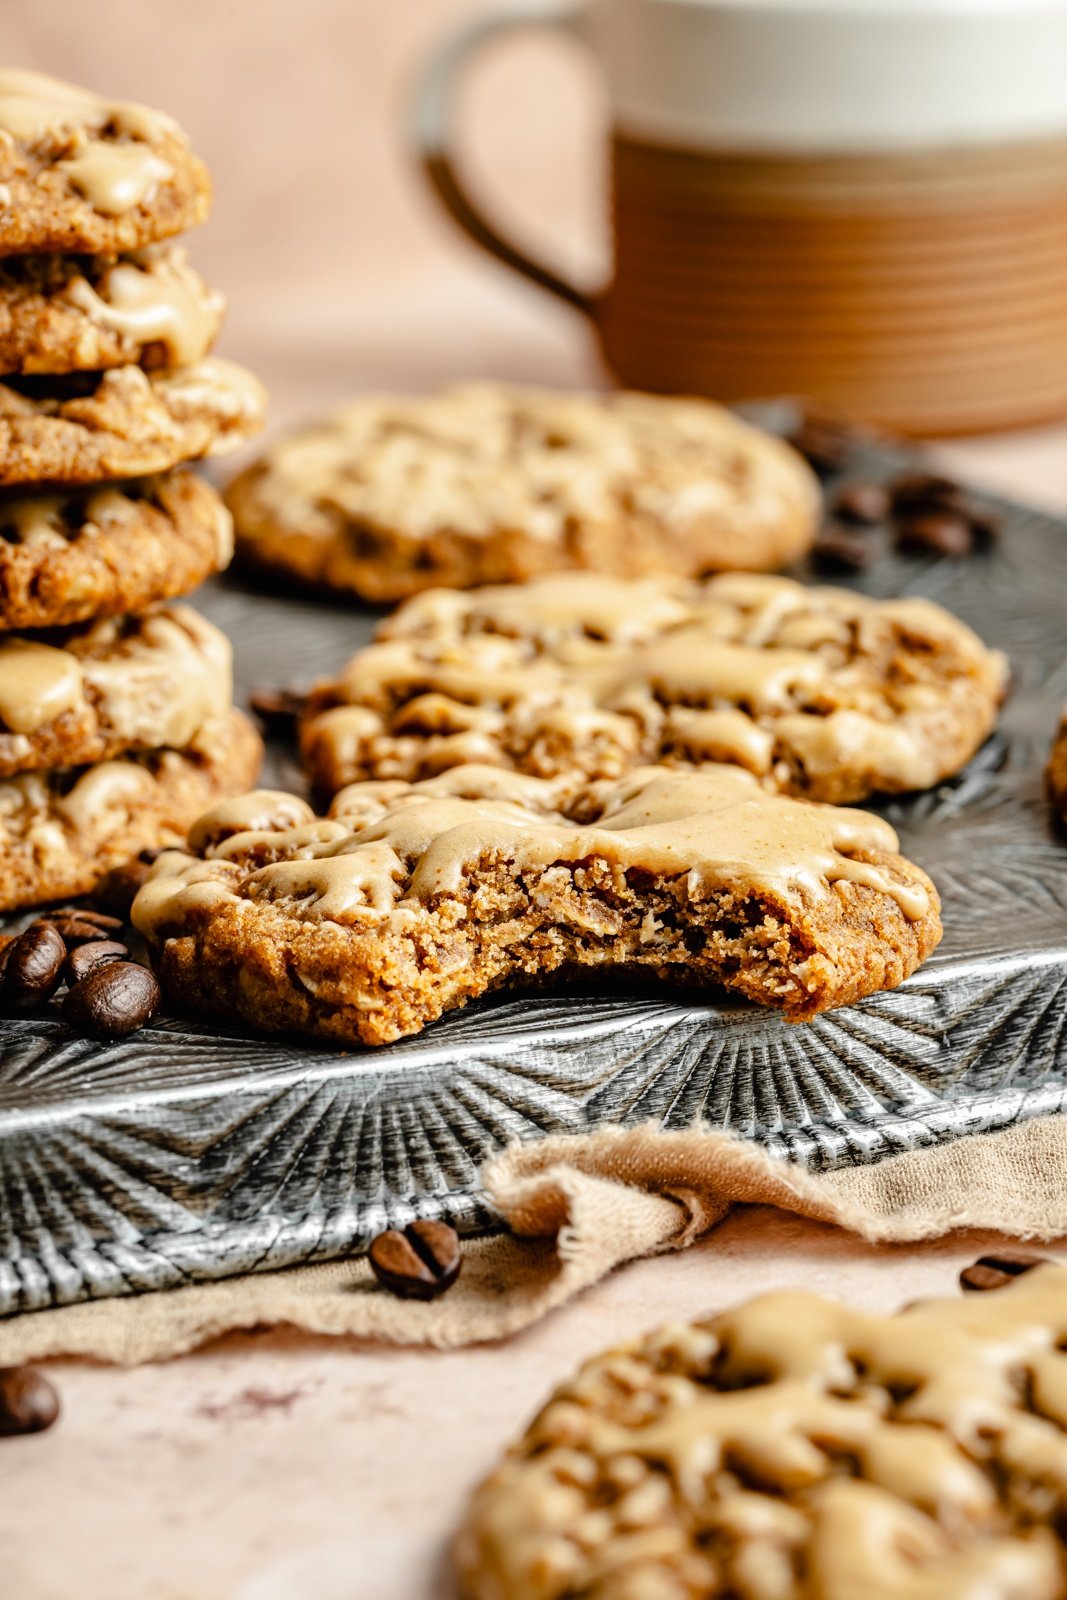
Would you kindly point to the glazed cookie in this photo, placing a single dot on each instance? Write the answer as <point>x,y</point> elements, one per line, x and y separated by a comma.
<point>126,683</point>
<point>61,314</point>
<point>793,1449</point>
<point>88,427</point>
<point>819,692</point>
<point>1057,770</point>
<point>65,558</point>
<point>81,173</point>
<point>411,900</point>
<point>488,484</point>
<point>62,831</point>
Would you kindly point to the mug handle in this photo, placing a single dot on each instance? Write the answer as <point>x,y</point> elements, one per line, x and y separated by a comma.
<point>432,132</point>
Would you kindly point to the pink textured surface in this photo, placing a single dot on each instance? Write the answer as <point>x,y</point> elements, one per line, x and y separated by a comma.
<point>272,1467</point>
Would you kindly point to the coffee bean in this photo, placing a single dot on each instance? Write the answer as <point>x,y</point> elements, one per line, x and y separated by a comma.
<point>861,501</point>
<point>77,926</point>
<point>114,1000</point>
<point>998,1268</point>
<point>85,958</point>
<point>824,442</point>
<point>418,1264</point>
<point>986,525</point>
<point>279,710</point>
<point>914,492</point>
<point>840,549</point>
<point>28,1402</point>
<point>118,889</point>
<point>33,968</point>
<point>937,533</point>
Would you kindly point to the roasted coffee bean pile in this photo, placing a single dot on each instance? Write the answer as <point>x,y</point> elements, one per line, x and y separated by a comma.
<point>109,995</point>
<point>418,1264</point>
<point>924,513</point>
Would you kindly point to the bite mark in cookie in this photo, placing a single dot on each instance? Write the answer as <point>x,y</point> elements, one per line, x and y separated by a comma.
<point>82,173</point>
<point>818,692</point>
<point>796,1449</point>
<point>131,683</point>
<point>61,314</point>
<point>63,830</point>
<point>410,900</point>
<point>65,558</point>
<point>489,484</point>
<point>85,428</point>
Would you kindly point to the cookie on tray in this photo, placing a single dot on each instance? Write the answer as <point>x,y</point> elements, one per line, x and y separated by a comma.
<point>67,557</point>
<point>1057,770</point>
<point>819,692</point>
<point>412,900</point>
<point>79,172</point>
<point>125,683</point>
<point>87,427</point>
<point>63,830</point>
<point>61,314</point>
<point>490,484</point>
<point>797,1449</point>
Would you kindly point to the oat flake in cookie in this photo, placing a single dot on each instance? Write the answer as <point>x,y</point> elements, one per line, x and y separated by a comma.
<point>794,1449</point>
<point>818,692</point>
<point>68,557</point>
<point>63,830</point>
<point>61,314</point>
<point>408,901</point>
<point>1057,771</point>
<point>88,427</point>
<point>82,173</point>
<point>489,484</point>
<point>119,684</point>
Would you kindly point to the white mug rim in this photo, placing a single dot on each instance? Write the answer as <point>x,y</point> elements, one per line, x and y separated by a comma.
<point>825,76</point>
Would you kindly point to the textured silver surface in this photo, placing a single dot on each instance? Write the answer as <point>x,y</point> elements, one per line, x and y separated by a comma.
<point>189,1153</point>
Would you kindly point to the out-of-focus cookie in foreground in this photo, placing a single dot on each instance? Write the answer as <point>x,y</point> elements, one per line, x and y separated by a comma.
<point>794,1449</point>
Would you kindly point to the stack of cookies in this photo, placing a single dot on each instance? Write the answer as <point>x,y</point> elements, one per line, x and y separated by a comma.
<point>117,724</point>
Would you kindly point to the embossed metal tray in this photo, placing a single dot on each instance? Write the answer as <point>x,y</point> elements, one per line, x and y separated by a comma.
<point>192,1152</point>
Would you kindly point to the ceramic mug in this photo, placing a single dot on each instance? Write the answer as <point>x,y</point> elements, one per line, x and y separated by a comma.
<point>860,200</point>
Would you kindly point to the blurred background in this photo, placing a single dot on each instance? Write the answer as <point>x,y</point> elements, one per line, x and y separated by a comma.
<point>342,271</point>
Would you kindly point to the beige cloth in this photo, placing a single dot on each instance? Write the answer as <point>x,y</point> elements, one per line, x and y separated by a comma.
<point>579,1207</point>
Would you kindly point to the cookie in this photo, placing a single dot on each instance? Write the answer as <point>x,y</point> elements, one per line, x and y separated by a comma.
<point>61,314</point>
<point>65,558</point>
<point>489,484</point>
<point>125,683</point>
<point>819,692</point>
<point>62,831</point>
<point>412,900</point>
<point>794,1449</point>
<point>81,173</point>
<point>88,427</point>
<point>1057,771</point>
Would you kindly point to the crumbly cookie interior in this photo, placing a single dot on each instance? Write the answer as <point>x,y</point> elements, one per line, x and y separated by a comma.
<point>410,900</point>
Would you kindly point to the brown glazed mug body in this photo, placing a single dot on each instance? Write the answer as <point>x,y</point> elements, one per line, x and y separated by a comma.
<point>864,201</point>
